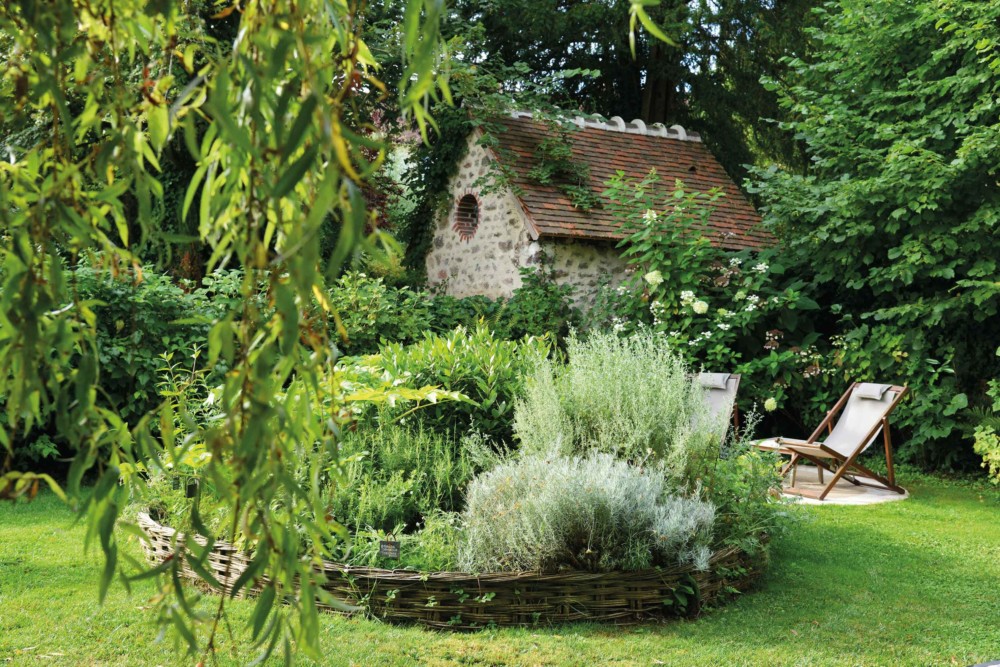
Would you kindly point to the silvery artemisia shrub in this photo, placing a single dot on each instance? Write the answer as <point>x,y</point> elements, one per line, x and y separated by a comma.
<point>594,513</point>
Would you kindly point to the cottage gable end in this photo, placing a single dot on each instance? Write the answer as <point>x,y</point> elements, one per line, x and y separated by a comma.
<point>482,238</point>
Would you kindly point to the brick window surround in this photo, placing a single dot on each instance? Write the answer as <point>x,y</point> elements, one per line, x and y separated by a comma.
<point>467,216</point>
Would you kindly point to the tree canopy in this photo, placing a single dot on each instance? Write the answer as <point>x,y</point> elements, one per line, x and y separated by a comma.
<point>897,218</point>
<point>707,78</point>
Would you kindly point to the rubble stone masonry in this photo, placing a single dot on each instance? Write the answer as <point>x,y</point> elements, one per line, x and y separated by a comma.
<point>488,262</point>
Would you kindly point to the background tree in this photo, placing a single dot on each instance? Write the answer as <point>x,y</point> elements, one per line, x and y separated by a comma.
<point>707,80</point>
<point>896,223</point>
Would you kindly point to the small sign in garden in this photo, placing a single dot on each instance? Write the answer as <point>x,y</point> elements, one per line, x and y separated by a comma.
<point>388,548</point>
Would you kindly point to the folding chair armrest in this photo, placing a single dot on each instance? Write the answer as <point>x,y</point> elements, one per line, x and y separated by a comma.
<point>793,441</point>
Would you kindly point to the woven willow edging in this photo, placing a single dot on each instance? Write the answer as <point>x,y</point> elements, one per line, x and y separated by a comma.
<point>464,601</point>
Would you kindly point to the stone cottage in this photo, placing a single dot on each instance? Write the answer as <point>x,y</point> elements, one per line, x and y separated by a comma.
<point>484,238</point>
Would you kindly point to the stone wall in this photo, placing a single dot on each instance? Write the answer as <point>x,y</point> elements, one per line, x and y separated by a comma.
<point>584,265</point>
<point>488,263</point>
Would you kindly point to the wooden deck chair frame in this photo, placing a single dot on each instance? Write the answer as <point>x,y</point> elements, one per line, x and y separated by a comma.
<point>819,454</point>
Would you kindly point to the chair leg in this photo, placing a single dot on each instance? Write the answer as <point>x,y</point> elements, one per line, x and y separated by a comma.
<point>792,466</point>
<point>833,482</point>
<point>885,483</point>
<point>888,451</point>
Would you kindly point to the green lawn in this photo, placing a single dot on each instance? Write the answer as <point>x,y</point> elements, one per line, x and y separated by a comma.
<point>910,583</point>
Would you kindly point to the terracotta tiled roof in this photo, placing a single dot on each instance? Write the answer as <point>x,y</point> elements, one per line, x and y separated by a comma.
<point>733,224</point>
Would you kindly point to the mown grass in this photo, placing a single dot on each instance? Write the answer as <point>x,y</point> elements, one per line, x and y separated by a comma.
<point>910,583</point>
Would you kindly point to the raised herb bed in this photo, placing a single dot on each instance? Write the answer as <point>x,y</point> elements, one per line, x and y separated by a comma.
<point>463,601</point>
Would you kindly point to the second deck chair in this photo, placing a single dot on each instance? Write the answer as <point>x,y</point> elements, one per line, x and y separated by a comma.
<point>864,411</point>
<point>720,398</point>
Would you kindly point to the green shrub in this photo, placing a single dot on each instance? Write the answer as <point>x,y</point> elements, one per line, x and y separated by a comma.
<point>594,513</point>
<point>476,363</point>
<point>141,317</point>
<point>632,397</point>
<point>540,306</point>
<point>744,484</point>
<point>447,313</point>
<point>393,477</point>
<point>434,548</point>
<point>987,442</point>
<point>372,312</point>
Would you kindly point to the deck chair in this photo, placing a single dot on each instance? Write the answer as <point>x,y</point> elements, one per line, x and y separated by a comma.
<point>720,397</point>
<point>864,411</point>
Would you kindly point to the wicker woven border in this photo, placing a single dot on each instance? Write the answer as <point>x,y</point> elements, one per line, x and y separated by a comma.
<point>463,601</point>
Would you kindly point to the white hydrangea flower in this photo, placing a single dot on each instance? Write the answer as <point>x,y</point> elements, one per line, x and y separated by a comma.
<point>650,215</point>
<point>753,298</point>
<point>654,278</point>
<point>771,405</point>
<point>735,261</point>
<point>739,296</point>
<point>699,307</point>
<point>751,307</point>
<point>687,296</point>
<point>761,268</point>
<point>724,326</point>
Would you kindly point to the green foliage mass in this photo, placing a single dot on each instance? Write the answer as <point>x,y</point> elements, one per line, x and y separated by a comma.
<point>393,477</point>
<point>476,363</point>
<point>987,433</point>
<point>896,220</point>
<point>372,312</point>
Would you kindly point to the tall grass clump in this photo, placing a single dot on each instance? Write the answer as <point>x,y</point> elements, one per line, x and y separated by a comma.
<point>631,397</point>
<point>594,513</point>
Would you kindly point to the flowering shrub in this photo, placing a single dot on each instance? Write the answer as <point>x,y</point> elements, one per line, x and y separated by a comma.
<point>723,311</point>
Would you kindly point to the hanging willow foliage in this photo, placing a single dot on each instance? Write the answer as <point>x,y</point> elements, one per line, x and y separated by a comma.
<point>265,116</point>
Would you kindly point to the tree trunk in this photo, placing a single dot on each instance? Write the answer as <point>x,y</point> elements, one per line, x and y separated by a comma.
<point>659,95</point>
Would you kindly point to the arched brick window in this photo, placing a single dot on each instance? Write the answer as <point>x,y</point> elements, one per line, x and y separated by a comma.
<point>467,217</point>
